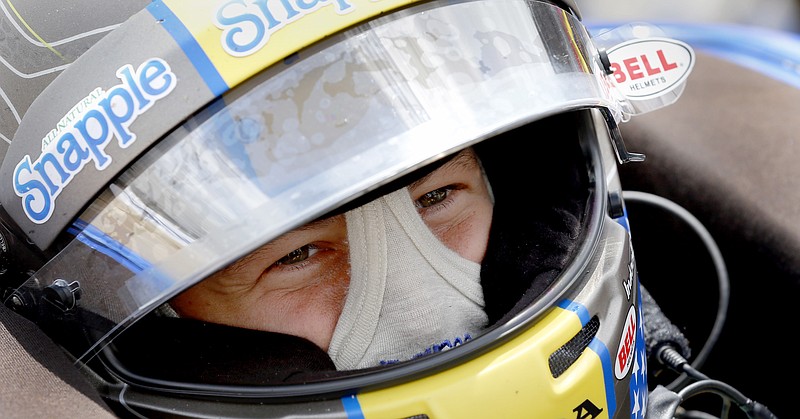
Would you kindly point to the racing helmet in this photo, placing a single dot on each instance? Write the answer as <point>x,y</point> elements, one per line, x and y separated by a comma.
<point>437,178</point>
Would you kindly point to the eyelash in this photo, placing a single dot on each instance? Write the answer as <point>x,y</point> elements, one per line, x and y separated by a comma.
<point>289,262</point>
<point>445,191</point>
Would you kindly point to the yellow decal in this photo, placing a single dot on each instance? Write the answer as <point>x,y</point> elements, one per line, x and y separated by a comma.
<point>242,37</point>
<point>515,377</point>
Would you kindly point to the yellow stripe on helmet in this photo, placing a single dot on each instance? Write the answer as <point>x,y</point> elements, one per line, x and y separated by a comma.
<point>241,38</point>
<point>512,381</point>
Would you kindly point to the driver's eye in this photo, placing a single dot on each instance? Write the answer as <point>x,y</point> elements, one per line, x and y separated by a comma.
<point>295,256</point>
<point>433,197</point>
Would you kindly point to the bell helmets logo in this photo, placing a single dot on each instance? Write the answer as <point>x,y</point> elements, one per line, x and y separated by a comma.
<point>627,346</point>
<point>650,67</point>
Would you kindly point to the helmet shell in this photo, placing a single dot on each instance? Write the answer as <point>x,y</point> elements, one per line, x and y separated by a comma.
<point>167,62</point>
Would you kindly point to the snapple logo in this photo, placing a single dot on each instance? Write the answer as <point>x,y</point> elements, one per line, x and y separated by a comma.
<point>40,182</point>
<point>247,25</point>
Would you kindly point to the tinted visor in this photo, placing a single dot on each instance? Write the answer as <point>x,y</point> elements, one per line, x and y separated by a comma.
<point>328,125</point>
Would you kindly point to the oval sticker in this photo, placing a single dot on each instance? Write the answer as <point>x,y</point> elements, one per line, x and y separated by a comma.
<point>650,67</point>
<point>627,346</point>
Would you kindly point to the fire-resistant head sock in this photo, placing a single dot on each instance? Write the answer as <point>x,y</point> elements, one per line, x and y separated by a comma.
<point>409,294</point>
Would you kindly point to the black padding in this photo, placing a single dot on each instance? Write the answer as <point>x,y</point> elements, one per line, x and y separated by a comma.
<point>539,178</point>
<point>186,350</point>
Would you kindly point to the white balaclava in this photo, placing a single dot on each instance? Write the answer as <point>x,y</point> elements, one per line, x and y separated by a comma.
<point>409,293</point>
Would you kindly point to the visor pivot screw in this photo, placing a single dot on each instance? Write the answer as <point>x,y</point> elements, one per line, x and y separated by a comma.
<point>62,294</point>
<point>602,56</point>
<point>16,302</point>
<point>20,301</point>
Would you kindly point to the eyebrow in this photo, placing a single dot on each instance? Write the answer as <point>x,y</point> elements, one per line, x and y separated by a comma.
<point>272,244</point>
<point>463,160</point>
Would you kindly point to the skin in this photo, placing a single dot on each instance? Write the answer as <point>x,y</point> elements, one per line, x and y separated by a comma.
<point>297,283</point>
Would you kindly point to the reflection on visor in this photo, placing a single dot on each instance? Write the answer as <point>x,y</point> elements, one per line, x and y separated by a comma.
<point>344,118</point>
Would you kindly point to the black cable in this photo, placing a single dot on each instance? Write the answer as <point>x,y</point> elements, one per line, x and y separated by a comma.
<point>669,354</point>
<point>695,414</point>
<point>719,265</point>
<point>672,358</point>
<point>752,408</point>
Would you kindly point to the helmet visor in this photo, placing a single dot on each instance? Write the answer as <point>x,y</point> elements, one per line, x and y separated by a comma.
<point>326,126</point>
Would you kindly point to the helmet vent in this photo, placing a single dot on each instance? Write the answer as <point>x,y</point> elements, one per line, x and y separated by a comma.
<point>566,355</point>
